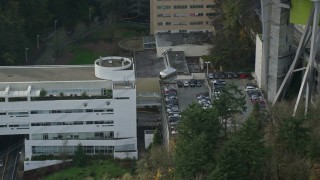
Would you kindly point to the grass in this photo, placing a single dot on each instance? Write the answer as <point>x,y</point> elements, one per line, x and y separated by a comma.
<point>110,34</point>
<point>83,56</point>
<point>100,169</point>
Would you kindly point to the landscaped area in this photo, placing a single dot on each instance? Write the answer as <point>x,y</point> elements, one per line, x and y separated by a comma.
<point>98,169</point>
<point>104,42</point>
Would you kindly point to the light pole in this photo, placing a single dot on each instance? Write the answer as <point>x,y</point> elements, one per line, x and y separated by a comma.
<point>55,26</point>
<point>26,51</point>
<point>207,67</point>
<point>38,41</point>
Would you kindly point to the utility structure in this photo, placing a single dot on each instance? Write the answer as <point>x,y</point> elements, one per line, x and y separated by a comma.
<point>278,50</point>
<point>168,72</point>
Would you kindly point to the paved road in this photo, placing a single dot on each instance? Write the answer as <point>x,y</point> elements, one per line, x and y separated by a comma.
<point>10,155</point>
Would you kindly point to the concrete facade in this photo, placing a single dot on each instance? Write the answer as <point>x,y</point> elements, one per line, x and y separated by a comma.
<point>280,53</point>
<point>174,16</point>
<point>56,115</point>
<point>258,61</point>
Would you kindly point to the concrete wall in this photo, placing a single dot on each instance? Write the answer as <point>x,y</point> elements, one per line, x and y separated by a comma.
<point>258,61</point>
<point>281,39</point>
<point>30,165</point>
<point>190,50</point>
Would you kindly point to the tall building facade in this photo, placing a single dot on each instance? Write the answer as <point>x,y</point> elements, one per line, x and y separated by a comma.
<point>181,16</point>
<point>59,107</point>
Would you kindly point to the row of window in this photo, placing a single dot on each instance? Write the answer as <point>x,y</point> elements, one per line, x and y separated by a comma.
<point>74,135</point>
<point>187,15</point>
<point>70,150</point>
<point>108,122</point>
<point>70,111</point>
<point>180,23</point>
<point>195,6</point>
<point>109,111</point>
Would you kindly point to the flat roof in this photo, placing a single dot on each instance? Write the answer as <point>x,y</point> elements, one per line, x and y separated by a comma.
<point>47,73</point>
<point>175,39</point>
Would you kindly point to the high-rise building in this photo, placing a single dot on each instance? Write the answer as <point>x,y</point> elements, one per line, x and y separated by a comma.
<point>181,16</point>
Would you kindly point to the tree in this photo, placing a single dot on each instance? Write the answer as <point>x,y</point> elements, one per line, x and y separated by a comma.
<point>80,156</point>
<point>293,135</point>
<point>199,133</point>
<point>230,102</point>
<point>243,156</point>
<point>157,140</point>
<point>156,163</point>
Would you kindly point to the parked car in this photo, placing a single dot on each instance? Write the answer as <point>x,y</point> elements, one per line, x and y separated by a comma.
<point>222,76</point>
<point>198,83</point>
<point>170,98</point>
<point>171,105</point>
<point>192,83</point>
<point>210,76</point>
<point>235,75</point>
<point>251,84</point>
<point>243,75</point>
<point>229,75</point>
<point>250,88</point>
<point>173,101</point>
<point>174,115</point>
<point>180,84</point>
<point>216,76</point>
<point>185,83</point>
<point>173,119</point>
<point>173,109</point>
<point>218,82</point>
<point>1,162</point>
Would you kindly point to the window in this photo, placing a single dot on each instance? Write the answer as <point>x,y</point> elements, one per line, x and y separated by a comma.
<point>211,14</point>
<point>180,7</point>
<point>180,15</point>
<point>196,14</point>
<point>196,23</point>
<point>196,6</point>
<point>210,6</point>
<point>122,98</point>
<point>164,15</point>
<point>164,7</point>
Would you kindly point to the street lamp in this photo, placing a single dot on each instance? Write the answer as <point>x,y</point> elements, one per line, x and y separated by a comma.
<point>26,51</point>
<point>208,62</point>
<point>55,26</point>
<point>38,41</point>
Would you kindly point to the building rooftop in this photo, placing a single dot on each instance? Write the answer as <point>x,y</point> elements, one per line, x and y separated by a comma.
<point>47,73</point>
<point>175,39</point>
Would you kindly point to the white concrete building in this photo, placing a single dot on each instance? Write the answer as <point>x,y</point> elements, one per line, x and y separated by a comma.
<point>58,107</point>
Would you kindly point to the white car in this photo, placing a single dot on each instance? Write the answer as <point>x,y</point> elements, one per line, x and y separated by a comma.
<point>250,88</point>
<point>185,83</point>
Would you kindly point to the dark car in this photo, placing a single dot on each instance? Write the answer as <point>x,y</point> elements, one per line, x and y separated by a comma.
<point>192,83</point>
<point>222,76</point>
<point>198,83</point>
<point>180,84</point>
<point>216,76</point>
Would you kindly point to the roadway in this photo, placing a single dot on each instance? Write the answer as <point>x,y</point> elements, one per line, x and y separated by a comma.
<point>10,155</point>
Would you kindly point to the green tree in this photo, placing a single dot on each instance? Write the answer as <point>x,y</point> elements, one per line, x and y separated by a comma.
<point>243,156</point>
<point>157,162</point>
<point>231,101</point>
<point>293,135</point>
<point>199,134</point>
<point>157,139</point>
<point>80,156</point>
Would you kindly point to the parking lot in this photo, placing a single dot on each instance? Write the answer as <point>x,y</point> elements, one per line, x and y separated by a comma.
<point>187,95</point>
